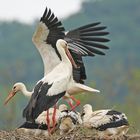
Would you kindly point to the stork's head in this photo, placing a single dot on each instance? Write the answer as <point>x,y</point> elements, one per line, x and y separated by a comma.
<point>16,88</point>
<point>63,44</point>
<point>87,108</point>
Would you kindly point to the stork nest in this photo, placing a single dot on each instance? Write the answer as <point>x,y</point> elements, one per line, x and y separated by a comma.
<point>78,133</point>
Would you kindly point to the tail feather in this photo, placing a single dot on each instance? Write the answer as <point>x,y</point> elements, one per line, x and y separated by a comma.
<point>86,88</point>
<point>79,88</point>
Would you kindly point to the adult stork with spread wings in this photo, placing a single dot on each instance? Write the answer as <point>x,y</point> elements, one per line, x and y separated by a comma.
<point>84,41</point>
<point>52,86</point>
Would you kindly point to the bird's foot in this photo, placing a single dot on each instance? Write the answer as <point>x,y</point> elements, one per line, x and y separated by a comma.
<point>77,104</point>
<point>52,130</point>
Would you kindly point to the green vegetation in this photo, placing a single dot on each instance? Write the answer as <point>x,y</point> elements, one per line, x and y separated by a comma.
<point>116,75</point>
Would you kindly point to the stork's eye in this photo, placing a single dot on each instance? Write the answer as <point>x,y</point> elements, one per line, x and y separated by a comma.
<point>14,87</point>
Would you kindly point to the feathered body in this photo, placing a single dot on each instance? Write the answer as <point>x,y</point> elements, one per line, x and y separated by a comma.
<point>107,122</point>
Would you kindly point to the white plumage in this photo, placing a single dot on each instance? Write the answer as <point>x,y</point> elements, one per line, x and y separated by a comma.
<point>47,52</point>
<point>107,122</point>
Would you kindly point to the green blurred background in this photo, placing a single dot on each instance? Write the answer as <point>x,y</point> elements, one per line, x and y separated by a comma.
<point>116,75</point>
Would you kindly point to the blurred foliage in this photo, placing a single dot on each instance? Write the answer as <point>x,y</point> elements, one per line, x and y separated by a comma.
<point>116,75</point>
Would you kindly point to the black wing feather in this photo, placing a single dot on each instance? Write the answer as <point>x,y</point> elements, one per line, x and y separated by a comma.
<point>94,34</point>
<point>79,74</point>
<point>113,124</point>
<point>93,44</point>
<point>83,40</point>
<point>51,17</point>
<point>87,36</point>
<point>56,30</point>
<point>96,39</point>
<point>40,102</point>
<point>29,125</point>
<point>28,110</point>
<point>92,50</point>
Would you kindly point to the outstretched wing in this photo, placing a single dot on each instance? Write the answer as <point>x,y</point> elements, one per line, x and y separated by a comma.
<point>83,41</point>
<point>56,30</point>
<point>88,40</point>
<point>48,31</point>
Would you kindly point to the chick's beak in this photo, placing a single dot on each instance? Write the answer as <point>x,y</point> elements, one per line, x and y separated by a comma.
<point>70,57</point>
<point>11,94</point>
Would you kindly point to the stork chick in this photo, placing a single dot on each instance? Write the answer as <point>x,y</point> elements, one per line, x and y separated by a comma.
<point>107,122</point>
<point>68,119</point>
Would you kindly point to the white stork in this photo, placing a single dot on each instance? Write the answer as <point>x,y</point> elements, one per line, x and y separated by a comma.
<point>108,123</point>
<point>83,41</point>
<point>40,123</point>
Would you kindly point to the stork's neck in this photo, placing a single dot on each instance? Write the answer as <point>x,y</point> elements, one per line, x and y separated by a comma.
<point>25,91</point>
<point>64,57</point>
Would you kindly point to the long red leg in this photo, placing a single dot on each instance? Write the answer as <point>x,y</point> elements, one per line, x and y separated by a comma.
<point>71,105</point>
<point>54,118</point>
<point>75,100</point>
<point>48,121</point>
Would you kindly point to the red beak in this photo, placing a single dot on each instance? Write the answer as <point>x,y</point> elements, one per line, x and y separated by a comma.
<point>70,57</point>
<point>11,94</point>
